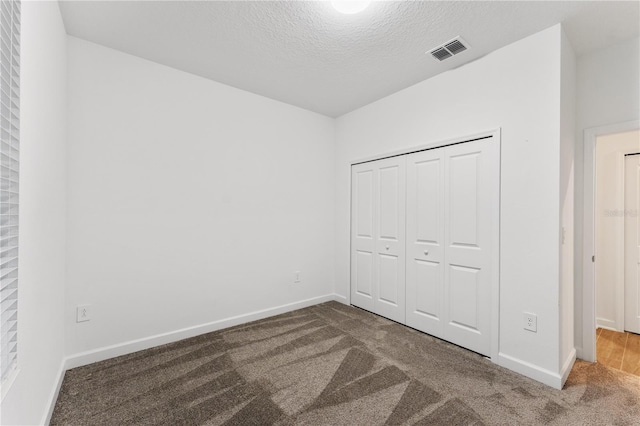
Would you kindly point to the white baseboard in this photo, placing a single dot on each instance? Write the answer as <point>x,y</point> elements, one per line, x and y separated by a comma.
<point>51,403</point>
<point>340,298</point>
<point>607,324</point>
<point>532,371</point>
<point>125,348</point>
<point>567,366</point>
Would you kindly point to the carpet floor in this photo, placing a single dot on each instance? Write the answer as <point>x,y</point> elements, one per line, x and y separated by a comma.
<point>332,364</point>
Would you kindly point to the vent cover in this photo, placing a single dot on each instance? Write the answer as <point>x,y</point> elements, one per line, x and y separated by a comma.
<point>450,48</point>
<point>441,54</point>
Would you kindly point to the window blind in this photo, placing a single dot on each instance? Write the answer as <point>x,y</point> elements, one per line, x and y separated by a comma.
<point>9,170</point>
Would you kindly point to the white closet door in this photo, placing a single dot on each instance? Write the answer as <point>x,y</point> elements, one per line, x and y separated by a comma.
<point>378,237</point>
<point>436,273</point>
<point>472,179</point>
<point>632,244</point>
<point>425,241</point>
<point>390,242</point>
<point>363,202</point>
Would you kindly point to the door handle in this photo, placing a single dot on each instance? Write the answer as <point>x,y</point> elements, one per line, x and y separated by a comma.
<point>386,247</point>
<point>426,252</point>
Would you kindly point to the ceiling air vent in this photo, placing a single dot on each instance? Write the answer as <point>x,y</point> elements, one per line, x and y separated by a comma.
<point>441,54</point>
<point>450,48</point>
<point>455,47</point>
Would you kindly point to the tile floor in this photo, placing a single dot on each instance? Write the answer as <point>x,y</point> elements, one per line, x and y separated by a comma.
<point>618,350</point>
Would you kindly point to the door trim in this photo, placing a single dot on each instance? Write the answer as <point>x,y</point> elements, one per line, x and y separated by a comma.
<point>495,133</point>
<point>431,145</point>
<point>588,350</point>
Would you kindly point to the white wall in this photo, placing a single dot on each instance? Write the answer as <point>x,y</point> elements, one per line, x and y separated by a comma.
<point>42,215</point>
<point>609,223</point>
<point>189,201</point>
<point>516,88</point>
<point>608,92</point>
<point>567,144</point>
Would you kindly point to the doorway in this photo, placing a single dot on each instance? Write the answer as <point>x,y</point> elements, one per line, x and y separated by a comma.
<point>616,260</point>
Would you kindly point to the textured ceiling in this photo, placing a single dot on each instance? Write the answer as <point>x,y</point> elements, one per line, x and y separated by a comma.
<point>307,54</point>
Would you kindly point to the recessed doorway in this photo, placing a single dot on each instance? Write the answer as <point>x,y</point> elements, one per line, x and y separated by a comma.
<point>614,329</point>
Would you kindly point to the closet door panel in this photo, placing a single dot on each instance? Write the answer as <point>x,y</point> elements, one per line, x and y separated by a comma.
<point>471,173</point>
<point>364,273</point>
<point>389,195</point>
<point>390,242</point>
<point>463,297</point>
<point>425,239</point>
<point>426,297</point>
<point>463,198</point>
<point>363,177</point>
<point>388,279</point>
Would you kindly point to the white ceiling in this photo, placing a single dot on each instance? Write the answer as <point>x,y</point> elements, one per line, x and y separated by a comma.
<point>307,54</point>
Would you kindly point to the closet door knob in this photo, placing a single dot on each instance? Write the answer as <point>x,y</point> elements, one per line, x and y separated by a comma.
<point>426,252</point>
<point>386,247</point>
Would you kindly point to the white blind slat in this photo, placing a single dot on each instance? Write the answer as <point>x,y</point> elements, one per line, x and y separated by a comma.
<point>9,285</point>
<point>9,182</point>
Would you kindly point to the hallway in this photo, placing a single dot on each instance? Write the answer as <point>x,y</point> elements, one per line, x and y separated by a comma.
<point>618,350</point>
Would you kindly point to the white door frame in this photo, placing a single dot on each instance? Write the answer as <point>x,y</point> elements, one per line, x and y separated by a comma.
<point>588,232</point>
<point>495,263</point>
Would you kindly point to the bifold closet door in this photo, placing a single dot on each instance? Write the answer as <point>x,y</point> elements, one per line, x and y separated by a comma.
<point>472,187</point>
<point>425,241</point>
<point>452,195</point>
<point>378,237</point>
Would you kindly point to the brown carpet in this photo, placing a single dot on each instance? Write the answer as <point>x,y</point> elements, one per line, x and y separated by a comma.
<point>332,364</point>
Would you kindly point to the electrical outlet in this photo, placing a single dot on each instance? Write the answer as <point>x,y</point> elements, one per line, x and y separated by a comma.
<point>296,277</point>
<point>83,313</point>
<point>530,322</point>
